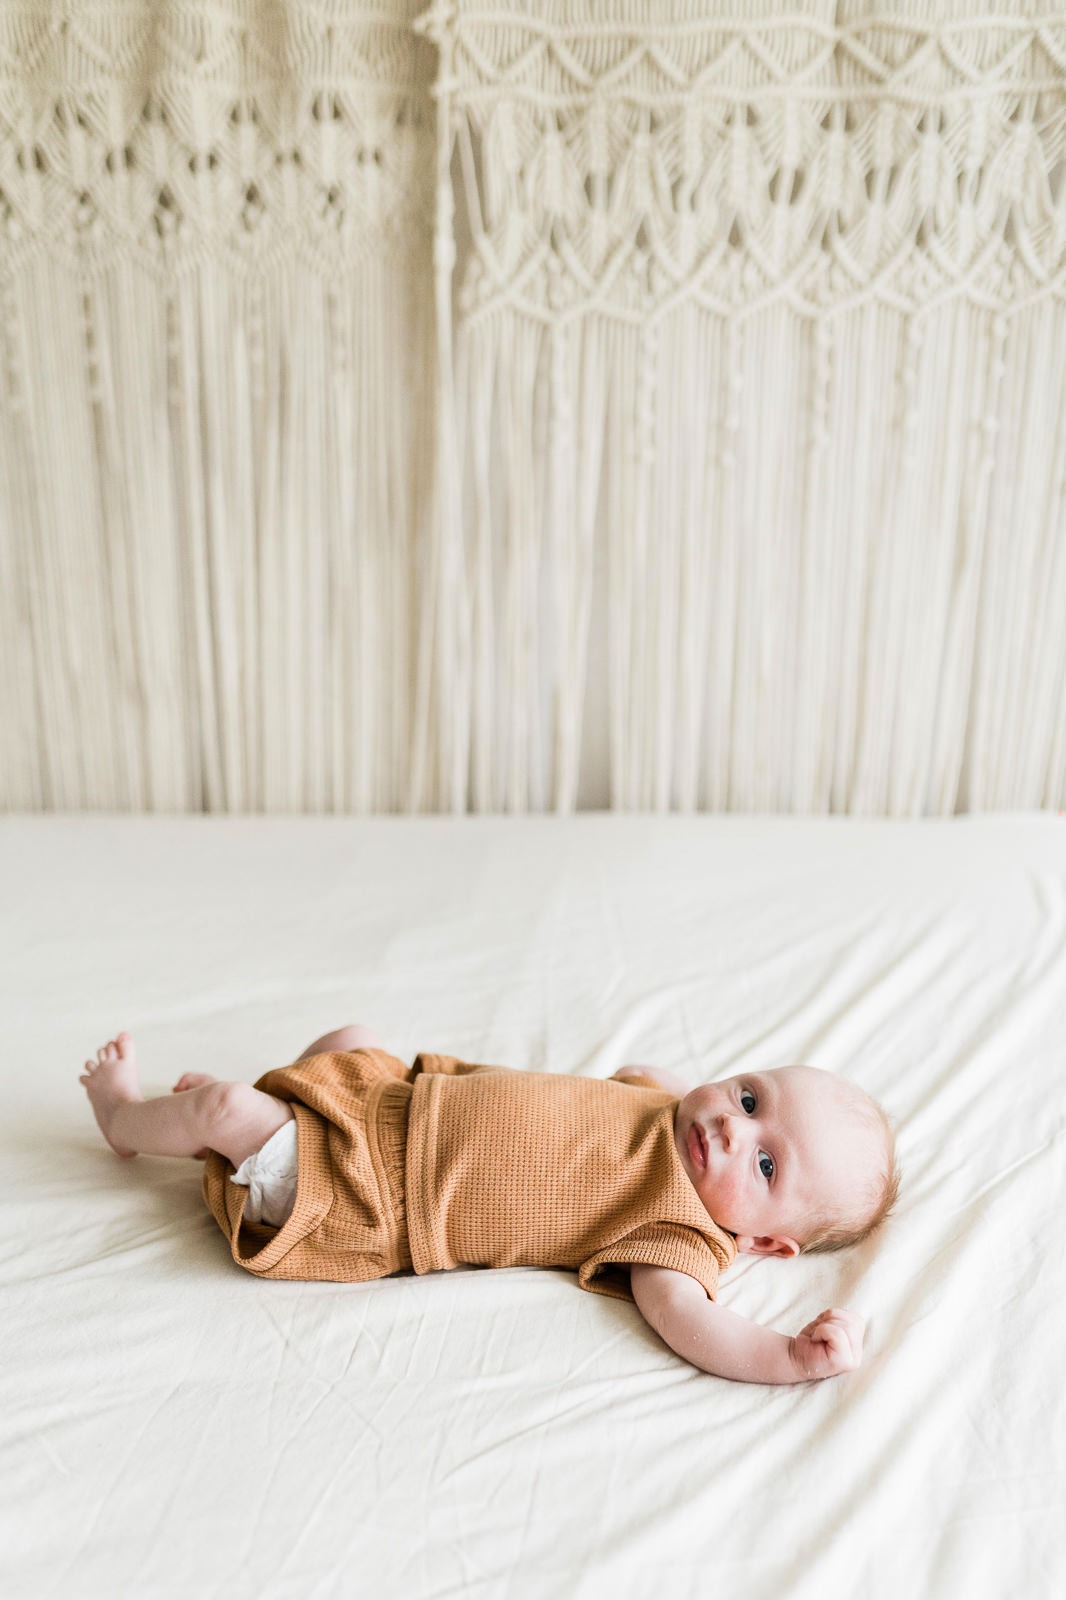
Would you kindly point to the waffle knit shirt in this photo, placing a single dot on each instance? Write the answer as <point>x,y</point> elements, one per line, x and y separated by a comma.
<point>509,1168</point>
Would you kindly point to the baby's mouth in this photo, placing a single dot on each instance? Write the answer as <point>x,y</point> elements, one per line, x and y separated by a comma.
<point>697,1146</point>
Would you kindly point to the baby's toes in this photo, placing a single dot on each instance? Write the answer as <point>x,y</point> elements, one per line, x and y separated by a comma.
<point>191,1080</point>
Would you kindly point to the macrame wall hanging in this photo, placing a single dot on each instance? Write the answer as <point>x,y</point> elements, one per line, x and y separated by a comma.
<point>360,365</point>
<point>763,326</point>
<point>218,396</point>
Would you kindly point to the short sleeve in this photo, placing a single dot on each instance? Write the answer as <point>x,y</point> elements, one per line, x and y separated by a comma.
<point>657,1244</point>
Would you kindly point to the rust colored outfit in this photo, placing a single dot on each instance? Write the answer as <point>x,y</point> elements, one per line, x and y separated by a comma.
<point>451,1164</point>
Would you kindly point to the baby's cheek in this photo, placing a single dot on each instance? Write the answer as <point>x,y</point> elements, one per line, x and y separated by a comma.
<point>725,1203</point>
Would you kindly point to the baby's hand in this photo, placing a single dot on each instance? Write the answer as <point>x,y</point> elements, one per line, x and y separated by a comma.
<point>830,1344</point>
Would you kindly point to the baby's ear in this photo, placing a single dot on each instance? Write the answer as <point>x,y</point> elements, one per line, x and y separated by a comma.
<point>766,1245</point>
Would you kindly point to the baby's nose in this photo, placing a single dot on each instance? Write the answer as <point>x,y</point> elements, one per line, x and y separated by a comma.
<point>727,1131</point>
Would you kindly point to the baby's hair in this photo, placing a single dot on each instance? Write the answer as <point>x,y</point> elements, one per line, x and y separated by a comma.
<point>837,1230</point>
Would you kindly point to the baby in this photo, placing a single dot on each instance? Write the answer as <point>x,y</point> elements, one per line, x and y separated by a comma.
<point>348,1166</point>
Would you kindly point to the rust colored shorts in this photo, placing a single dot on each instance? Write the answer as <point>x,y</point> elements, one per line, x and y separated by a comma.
<point>349,1222</point>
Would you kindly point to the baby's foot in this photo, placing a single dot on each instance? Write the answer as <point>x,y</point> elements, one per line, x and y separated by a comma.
<point>110,1081</point>
<point>192,1080</point>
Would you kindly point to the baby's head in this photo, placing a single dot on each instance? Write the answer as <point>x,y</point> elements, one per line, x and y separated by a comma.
<point>789,1159</point>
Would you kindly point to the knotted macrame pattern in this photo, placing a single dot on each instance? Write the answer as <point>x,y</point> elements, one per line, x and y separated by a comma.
<point>217,391</point>
<point>527,406</point>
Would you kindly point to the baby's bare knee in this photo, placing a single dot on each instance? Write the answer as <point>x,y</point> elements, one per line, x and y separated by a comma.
<point>227,1106</point>
<point>238,1119</point>
<point>353,1036</point>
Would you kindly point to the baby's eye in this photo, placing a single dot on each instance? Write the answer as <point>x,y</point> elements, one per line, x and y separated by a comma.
<point>766,1165</point>
<point>745,1096</point>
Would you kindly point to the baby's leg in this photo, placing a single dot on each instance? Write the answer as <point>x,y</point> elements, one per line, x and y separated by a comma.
<point>233,1118</point>
<point>353,1037</point>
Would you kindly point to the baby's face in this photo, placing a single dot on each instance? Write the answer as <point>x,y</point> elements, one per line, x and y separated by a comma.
<point>766,1150</point>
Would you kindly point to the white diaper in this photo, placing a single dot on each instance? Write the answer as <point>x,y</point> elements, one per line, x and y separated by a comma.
<point>270,1178</point>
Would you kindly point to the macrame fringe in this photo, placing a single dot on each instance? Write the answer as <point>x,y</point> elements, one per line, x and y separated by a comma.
<point>215,595</point>
<point>806,328</point>
<point>351,372</point>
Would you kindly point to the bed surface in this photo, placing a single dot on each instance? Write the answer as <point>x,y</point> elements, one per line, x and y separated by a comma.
<point>172,1426</point>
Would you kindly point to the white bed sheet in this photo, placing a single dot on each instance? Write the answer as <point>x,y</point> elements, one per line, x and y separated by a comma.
<point>172,1426</point>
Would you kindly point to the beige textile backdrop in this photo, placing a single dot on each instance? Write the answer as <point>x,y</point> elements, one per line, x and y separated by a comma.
<point>532,406</point>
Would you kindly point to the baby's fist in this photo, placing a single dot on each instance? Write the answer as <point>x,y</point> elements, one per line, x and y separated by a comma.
<point>830,1344</point>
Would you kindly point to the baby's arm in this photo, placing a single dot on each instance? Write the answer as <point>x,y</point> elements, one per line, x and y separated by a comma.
<point>661,1080</point>
<point>718,1341</point>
